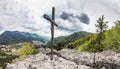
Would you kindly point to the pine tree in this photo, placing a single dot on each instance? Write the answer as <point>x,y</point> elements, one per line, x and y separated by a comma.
<point>101,28</point>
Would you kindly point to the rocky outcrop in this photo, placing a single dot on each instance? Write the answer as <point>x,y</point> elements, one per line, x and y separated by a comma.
<point>69,59</point>
<point>106,59</point>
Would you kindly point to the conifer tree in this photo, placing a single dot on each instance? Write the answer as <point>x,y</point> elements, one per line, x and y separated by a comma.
<point>101,28</point>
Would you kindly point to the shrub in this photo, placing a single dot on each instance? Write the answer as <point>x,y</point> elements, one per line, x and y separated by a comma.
<point>27,49</point>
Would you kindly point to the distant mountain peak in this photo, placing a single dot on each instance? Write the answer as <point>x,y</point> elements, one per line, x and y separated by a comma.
<point>9,37</point>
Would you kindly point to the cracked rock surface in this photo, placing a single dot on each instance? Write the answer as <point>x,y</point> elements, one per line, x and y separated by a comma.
<point>68,59</point>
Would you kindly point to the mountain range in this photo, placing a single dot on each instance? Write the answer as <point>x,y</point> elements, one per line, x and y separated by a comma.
<point>62,41</point>
<point>11,37</point>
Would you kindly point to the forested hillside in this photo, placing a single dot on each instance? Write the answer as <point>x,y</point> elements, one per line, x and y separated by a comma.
<point>11,37</point>
<point>109,40</point>
<point>61,42</point>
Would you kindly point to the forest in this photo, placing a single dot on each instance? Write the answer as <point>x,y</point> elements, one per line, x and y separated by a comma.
<point>104,39</point>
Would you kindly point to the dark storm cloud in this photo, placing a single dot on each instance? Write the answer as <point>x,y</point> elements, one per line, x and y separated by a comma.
<point>73,21</point>
<point>82,18</point>
<point>66,15</point>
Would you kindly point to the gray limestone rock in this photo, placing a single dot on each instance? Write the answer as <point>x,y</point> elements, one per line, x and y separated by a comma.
<point>68,59</point>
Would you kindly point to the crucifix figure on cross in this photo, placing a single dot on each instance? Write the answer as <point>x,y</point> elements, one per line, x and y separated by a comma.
<point>52,20</point>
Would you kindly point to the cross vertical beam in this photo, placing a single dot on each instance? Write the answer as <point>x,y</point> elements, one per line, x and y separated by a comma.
<point>52,32</point>
<point>52,20</point>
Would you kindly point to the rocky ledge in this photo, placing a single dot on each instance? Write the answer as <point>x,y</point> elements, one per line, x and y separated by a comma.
<point>69,59</point>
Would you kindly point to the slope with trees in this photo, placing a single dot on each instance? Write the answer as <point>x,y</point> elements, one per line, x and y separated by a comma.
<point>102,40</point>
<point>61,42</point>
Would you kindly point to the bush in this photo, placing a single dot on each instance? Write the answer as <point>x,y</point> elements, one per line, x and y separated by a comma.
<point>27,49</point>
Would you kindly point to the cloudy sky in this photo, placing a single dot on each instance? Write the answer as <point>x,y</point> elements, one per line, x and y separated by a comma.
<point>71,15</point>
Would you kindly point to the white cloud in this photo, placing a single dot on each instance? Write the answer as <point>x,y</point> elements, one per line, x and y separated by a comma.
<point>15,15</point>
<point>26,15</point>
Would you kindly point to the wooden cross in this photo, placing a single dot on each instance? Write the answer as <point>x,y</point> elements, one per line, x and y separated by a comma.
<point>52,20</point>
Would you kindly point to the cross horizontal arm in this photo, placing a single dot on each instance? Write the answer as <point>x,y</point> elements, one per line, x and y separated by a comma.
<point>48,18</point>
